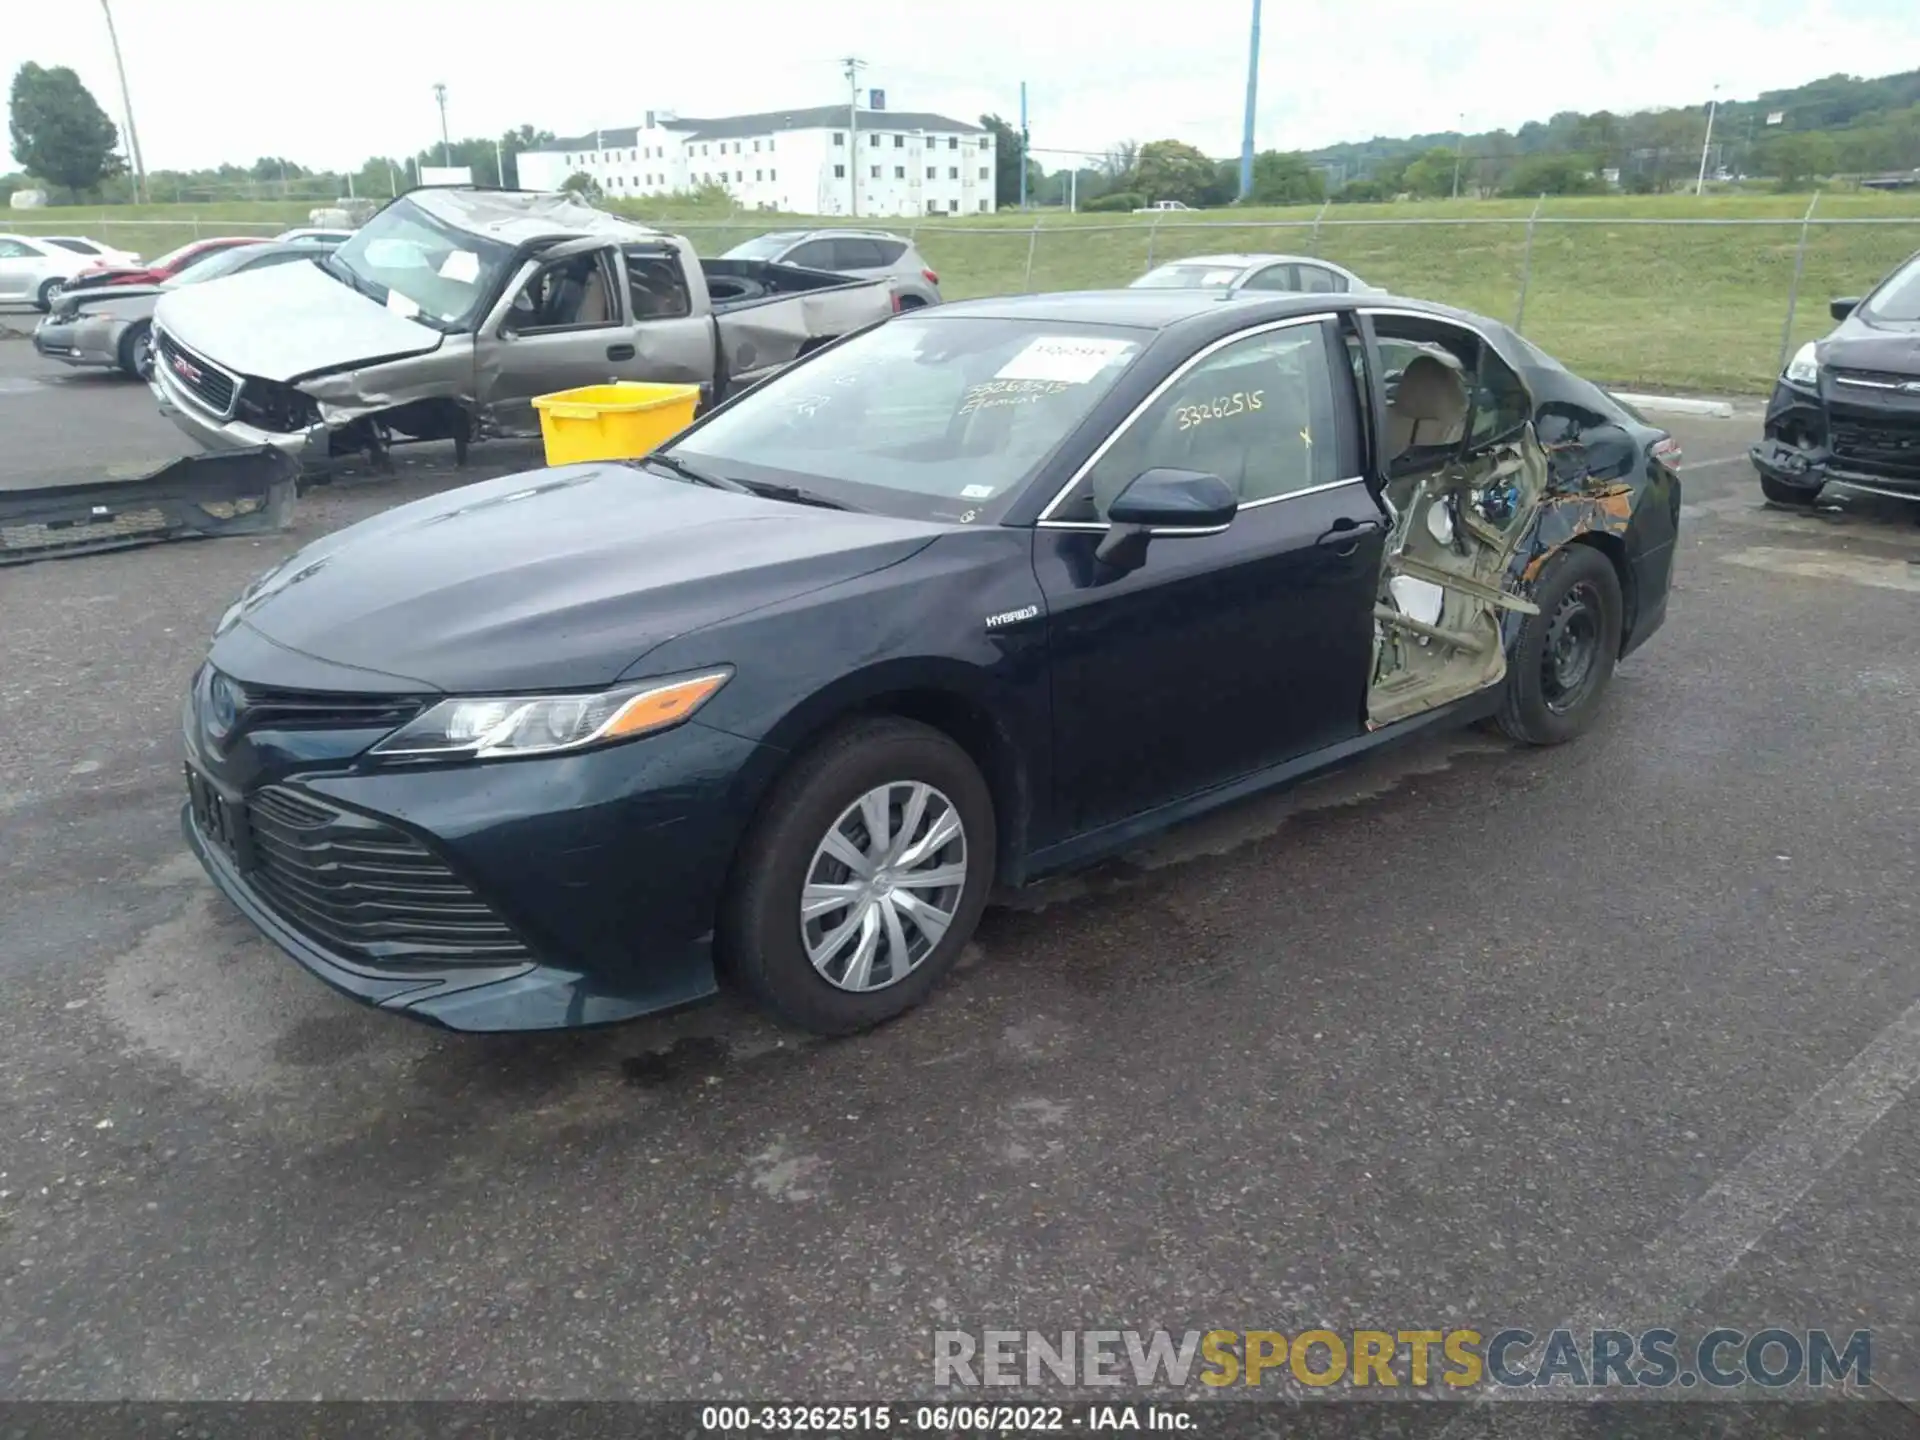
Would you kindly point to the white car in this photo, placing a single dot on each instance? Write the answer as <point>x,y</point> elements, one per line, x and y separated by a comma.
<point>93,250</point>
<point>34,269</point>
<point>1231,274</point>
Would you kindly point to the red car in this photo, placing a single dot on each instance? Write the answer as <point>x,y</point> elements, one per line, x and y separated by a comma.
<point>165,268</point>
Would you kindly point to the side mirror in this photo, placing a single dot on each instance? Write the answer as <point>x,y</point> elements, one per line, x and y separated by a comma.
<point>1163,499</point>
<point>1841,309</point>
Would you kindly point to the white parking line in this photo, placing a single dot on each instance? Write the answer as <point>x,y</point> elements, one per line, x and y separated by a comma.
<point>1714,1234</point>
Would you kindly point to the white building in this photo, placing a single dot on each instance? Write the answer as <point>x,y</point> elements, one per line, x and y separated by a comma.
<point>803,162</point>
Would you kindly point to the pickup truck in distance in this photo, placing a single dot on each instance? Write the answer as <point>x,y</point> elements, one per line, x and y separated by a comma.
<point>453,307</point>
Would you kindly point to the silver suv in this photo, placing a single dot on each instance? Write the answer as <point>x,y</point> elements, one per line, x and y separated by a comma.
<point>870,254</point>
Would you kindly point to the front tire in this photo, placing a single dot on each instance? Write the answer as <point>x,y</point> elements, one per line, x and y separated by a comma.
<point>862,879</point>
<point>136,352</point>
<point>48,293</point>
<point>1563,661</point>
<point>1781,493</point>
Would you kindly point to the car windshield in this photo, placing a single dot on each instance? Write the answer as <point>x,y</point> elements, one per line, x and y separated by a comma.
<point>173,257</point>
<point>1189,277</point>
<point>936,417</point>
<point>212,265</point>
<point>1898,296</point>
<point>421,267</point>
<point>79,247</point>
<point>761,247</point>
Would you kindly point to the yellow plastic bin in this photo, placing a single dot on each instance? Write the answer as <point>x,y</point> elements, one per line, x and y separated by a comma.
<point>622,421</point>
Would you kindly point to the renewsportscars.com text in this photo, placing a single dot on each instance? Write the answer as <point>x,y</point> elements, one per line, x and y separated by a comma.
<point>1456,1359</point>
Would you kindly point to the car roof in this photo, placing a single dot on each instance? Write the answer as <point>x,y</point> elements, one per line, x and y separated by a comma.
<point>521,217</point>
<point>1191,310</point>
<point>1241,261</point>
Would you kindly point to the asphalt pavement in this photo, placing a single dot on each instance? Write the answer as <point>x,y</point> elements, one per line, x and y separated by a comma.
<point>1469,1035</point>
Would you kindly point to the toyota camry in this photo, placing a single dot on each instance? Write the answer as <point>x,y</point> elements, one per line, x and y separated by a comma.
<point>977,594</point>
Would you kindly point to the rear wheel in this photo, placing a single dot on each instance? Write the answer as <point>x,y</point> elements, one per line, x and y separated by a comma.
<point>862,879</point>
<point>1563,661</point>
<point>1782,493</point>
<point>48,293</point>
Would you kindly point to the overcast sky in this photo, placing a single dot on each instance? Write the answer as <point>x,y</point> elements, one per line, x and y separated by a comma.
<point>331,83</point>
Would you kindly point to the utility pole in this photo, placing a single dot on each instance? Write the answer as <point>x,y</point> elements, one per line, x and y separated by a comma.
<point>1023,144</point>
<point>446,150</point>
<point>1253,88</point>
<point>854,66</point>
<point>1700,185</point>
<point>1459,150</point>
<point>126,105</point>
<point>499,165</point>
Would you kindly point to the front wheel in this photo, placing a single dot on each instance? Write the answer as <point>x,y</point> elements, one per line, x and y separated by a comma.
<point>136,352</point>
<point>863,878</point>
<point>48,293</point>
<point>1563,661</point>
<point>1781,493</point>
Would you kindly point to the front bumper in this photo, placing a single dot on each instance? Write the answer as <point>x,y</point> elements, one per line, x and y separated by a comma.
<point>608,866</point>
<point>310,447</point>
<point>79,341</point>
<point>1812,438</point>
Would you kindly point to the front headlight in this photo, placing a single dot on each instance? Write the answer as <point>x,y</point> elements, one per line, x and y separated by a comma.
<point>1803,369</point>
<point>492,728</point>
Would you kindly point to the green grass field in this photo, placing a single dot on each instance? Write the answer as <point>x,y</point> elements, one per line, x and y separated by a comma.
<point>1679,306</point>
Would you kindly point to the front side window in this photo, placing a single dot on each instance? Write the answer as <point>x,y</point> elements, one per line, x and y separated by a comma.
<point>571,294</point>
<point>930,416</point>
<point>1259,412</point>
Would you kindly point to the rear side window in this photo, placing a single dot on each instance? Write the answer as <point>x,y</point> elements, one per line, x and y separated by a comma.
<point>1318,280</point>
<point>890,251</point>
<point>814,255</point>
<point>1500,402</point>
<point>855,253</point>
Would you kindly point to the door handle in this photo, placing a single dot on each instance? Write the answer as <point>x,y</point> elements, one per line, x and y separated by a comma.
<point>619,352</point>
<point>1345,539</point>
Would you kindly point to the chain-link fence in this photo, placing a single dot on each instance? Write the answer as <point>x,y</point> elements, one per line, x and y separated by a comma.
<point>1685,304</point>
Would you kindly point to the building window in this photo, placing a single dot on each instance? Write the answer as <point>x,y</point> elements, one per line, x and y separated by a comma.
<point>986,141</point>
<point>567,160</point>
<point>759,175</point>
<point>773,174</point>
<point>953,207</point>
<point>899,172</point>
<point>839,172</point>
<point>876,172</point>
<point>756,147</point>
<point>839,137</point>
<point>873,139</point>
<point>953,142</point>
<point>899,142</point>
<point>769,143</point>
<point>703,149</point>
<point>933,172</point>
<point>983,207</point>
<point>632,155</point>
<point>933,207</point>
<point>985,173</point>
<point>736,147</point>
<point>953,172</point>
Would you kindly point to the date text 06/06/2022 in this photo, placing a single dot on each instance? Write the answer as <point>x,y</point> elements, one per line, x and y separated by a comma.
<point>942,1419</point>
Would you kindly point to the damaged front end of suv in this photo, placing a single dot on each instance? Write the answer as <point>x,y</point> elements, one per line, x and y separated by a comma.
<point>1846,410</point>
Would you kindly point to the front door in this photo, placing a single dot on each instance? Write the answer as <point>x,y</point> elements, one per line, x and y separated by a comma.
<point>1221,654</point>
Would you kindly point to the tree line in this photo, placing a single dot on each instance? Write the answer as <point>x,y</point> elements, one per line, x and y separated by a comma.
<point>1840,125</point>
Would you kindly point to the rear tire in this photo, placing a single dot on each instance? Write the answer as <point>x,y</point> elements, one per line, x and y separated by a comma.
<point>888,960</point>
<point>1781,493</point>
<point>1563,661</point>
<point>48,293</point>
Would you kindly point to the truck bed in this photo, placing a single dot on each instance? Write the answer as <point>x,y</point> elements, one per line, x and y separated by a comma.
<point>782,311</point>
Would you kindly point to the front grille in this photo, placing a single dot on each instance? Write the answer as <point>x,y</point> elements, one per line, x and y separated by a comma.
<point>367,892</point>
<point>1880,444</point>
<point>1889,380</point>
<point>263,708</point>
<point>197,375</point>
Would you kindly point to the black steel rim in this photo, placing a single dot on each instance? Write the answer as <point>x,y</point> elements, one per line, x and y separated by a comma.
<point>1571,657</point>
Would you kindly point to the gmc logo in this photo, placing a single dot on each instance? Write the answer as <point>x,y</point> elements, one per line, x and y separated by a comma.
<point>187,370</point>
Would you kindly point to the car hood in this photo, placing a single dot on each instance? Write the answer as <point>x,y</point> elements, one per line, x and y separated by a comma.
<point>1891,346</point>
<point>122,301</point>
<point>285,321</point>
<point>547,580</point>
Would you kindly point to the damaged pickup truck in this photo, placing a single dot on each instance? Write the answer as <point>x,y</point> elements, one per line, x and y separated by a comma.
<point>450,310</point>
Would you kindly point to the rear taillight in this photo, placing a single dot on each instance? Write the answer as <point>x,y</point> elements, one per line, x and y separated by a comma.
<point>1667,451</point>
<point>931,278</point>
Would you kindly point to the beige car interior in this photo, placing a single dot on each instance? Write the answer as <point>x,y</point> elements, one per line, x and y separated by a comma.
<point>1459,508</point>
